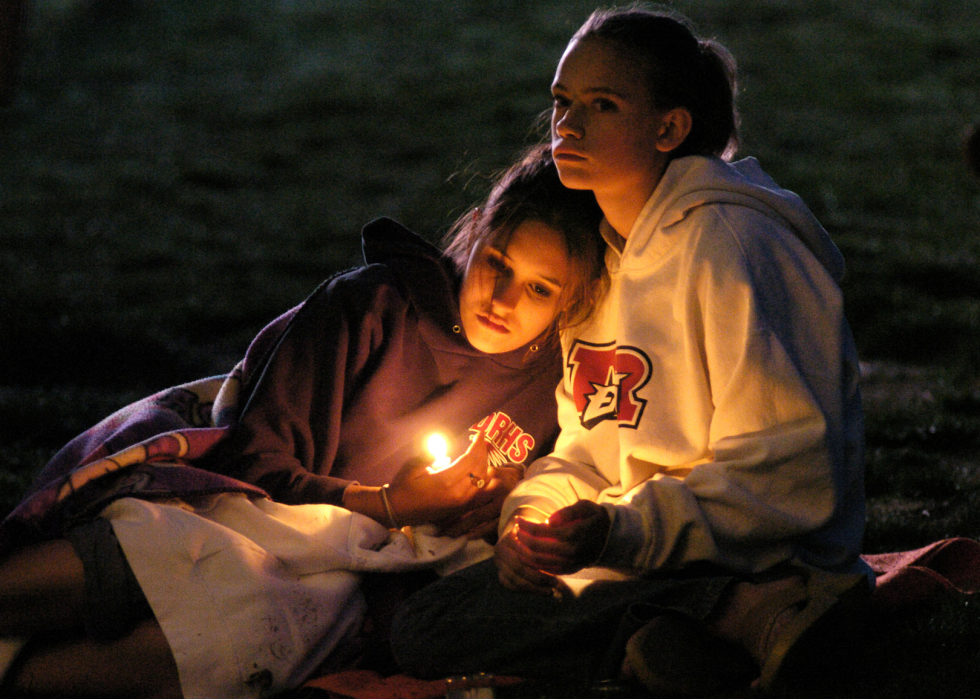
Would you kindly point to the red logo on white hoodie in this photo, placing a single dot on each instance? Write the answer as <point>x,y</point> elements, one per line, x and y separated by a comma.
<point>605,379</point>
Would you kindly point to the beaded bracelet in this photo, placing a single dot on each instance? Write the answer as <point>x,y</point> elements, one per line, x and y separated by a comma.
<point>387,504</point>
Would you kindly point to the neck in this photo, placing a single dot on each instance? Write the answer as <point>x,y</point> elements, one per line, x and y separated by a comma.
<point>622,205</point>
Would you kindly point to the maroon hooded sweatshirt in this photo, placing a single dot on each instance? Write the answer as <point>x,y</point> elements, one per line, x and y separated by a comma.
<point>346,386</point>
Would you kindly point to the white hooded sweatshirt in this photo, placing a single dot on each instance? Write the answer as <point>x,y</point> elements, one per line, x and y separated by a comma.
<point>711,404</point>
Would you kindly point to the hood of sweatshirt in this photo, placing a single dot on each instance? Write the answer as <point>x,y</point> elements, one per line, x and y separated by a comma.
<point>429,279</point>
<point>694,181</point>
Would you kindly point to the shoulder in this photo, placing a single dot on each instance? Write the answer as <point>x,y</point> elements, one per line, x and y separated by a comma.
<point>402,270</point>
<point>353,293</point>
<point>725,231</point>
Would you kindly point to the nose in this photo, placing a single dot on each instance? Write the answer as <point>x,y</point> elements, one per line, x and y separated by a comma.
<point>569,124</point>
<point>506,294</point>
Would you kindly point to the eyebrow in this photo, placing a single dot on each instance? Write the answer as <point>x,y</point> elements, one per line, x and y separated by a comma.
<point>600,90</point>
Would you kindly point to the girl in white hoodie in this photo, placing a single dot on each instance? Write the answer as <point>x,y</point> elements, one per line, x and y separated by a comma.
<point>710,415</point>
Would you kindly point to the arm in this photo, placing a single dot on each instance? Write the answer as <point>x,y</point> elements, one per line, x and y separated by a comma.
<point>296,373</point>
<point>749,446</point>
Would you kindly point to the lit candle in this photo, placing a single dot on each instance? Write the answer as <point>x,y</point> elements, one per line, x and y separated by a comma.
<point>438,448</point>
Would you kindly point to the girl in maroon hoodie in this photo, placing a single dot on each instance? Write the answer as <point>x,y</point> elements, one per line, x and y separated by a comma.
<point>336,397</point>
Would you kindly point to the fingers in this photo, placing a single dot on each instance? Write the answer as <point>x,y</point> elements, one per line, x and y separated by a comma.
<point>583,509</point>
<point>564,548</point>
<point>544,554</point>
<point>475,523</point>
<point>481,530</point>
<point>471,470</point>
<point>515,574</point>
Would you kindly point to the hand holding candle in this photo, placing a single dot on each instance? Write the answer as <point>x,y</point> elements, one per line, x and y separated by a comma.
<point>531,553</point>
<point>428,490</point>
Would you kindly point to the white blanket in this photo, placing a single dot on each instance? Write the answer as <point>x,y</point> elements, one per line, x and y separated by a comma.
<point>253,595</point>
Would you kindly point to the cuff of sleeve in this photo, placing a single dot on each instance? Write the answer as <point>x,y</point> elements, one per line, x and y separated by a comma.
<point>625,537</point>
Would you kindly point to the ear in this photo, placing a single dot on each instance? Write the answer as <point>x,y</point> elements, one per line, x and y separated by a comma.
<point>675,125</point>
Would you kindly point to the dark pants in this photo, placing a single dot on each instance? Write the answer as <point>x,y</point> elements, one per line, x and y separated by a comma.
<point>468,622</point>
<point>114,602</point>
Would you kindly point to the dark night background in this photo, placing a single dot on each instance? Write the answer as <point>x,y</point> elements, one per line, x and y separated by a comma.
<point>173,175</point>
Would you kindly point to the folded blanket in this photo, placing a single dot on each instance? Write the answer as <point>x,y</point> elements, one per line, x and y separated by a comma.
<point>144,450</point>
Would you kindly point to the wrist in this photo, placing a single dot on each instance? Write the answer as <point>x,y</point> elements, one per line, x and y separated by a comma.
<point>386,505</point>
<point>624,537</point>
<point>365,500</point>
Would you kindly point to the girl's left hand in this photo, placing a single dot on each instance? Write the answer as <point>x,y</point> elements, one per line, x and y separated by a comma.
<point>482,517</point>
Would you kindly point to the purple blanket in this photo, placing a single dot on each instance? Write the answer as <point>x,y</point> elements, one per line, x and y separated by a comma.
<point>147,450</point>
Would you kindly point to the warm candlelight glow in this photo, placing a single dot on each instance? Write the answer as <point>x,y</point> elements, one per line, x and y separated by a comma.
<point>437,446</point>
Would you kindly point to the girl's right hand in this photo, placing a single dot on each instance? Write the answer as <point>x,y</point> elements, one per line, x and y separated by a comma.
<point>516,567</point>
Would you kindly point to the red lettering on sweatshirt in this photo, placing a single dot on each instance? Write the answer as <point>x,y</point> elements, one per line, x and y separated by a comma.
<point>505,438</point>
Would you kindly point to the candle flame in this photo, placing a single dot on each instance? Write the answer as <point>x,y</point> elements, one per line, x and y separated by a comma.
<point>437,446</point>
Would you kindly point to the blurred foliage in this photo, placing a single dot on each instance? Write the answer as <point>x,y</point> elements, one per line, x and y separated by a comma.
<point>175,174</point>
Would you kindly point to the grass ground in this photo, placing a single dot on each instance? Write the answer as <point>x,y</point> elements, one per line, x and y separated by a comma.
<point>175,174</point>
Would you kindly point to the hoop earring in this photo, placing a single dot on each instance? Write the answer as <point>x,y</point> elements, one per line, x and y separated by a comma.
<point>534,347</point>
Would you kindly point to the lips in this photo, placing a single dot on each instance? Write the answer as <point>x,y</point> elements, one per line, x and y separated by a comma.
<point>492,324</point>
<point>567,155</point>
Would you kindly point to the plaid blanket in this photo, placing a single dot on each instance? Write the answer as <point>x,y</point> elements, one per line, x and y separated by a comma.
<point>146,450</point>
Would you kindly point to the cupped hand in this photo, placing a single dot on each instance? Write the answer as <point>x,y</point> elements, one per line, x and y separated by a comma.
<point>516,567</point>
<point>532,553</point>
<point>481,517</point>
<point>571,539</point>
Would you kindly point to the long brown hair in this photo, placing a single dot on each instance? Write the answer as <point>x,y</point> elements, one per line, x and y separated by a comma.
<point>530,190</point>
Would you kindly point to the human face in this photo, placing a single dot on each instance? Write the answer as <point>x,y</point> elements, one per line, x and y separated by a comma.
<point>605,129</point>
<point>512,289</point>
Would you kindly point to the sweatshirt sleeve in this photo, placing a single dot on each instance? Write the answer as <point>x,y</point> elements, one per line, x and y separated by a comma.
<point>560,479</point>
<point>296,374</point>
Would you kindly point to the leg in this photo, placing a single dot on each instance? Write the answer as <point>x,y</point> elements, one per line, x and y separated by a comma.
<point>42,589</point>
<point>136,666</point>
<point>468,622</point>
<point>792,629</point>
<point>796,628</point>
